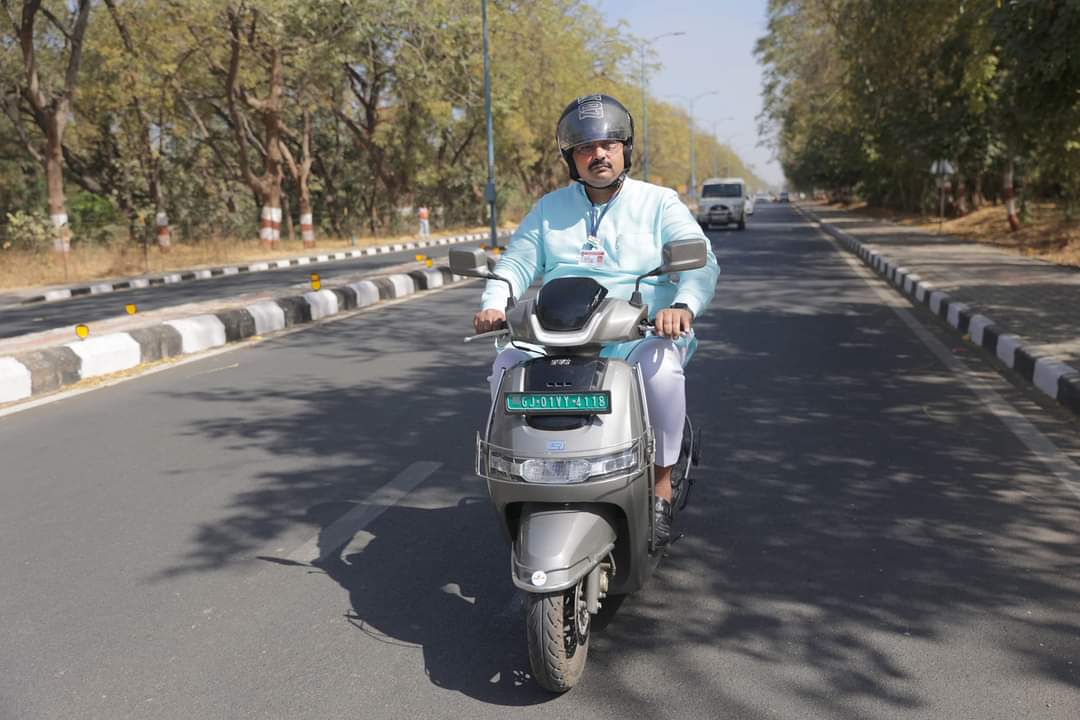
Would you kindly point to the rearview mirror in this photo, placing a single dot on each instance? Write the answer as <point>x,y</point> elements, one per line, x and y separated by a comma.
<point>676,256</point>
<point>683,255</point>
<point>470,262</point>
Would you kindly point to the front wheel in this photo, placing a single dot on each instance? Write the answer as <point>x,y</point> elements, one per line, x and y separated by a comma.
<point>742,223</point>
<point>557,626</point>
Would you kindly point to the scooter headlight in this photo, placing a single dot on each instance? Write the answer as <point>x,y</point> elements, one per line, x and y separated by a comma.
<point>544,470</point>
<point>565,471</point>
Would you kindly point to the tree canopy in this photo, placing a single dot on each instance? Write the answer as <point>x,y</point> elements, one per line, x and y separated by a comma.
<point>864,97</point>
<point>209,113</point>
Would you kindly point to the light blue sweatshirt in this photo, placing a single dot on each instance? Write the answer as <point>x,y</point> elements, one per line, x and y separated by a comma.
<point>638,221</point>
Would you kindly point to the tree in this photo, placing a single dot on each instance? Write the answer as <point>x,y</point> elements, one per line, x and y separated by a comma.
<point>47,95</point>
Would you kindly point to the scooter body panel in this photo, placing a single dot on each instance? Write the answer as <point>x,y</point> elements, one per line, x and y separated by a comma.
<point>556,545</point>
<point>536,513</point>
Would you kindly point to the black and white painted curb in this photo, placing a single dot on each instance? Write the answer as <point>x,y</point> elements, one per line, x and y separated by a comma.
<point>205,274</point>
<point>42,371</point>
<point>1050,375</point>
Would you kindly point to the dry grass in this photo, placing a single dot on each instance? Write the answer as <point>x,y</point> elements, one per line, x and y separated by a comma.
<point>19,270</point>
<point>1048,235</point>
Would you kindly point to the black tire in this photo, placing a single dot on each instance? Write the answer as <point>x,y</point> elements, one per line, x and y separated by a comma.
<point>557,651</point>
<point>704,226</point>
<point>742,223</point>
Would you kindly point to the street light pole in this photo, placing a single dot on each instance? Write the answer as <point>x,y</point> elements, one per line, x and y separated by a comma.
<point>726,143</point>
<point>693,159</point>
<point>716,138</point>
<point>645,99</point>
<point>644,115</point>
<point>489,191</point>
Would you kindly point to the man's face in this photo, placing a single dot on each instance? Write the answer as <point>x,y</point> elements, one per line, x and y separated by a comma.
<point>599,163</point>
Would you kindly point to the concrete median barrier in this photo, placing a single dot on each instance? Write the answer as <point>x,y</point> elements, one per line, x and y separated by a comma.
<point>51,369</point>
<point>1051,376</point>
<point>25,375</point>
<point>261,266</point>
<point>403,285</point>
<point>323,303</point>
<point>267,316</point>
<point>198,333</point>
<point>346,298</point>
<point>238,324</point>
<point>367,293</point>
<point>106,354</point>
<point>15,380</point>
<point>157,342</point>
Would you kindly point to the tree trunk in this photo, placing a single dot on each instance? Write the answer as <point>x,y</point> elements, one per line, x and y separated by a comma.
<point>267,186</point>
<point>161,220</point>
<point>161,217</point>
<point>286,213</point>
<point>961,196</point>
<point>307,228</point>
<point>1010,196</point>
<point>270,224</point>
<point>373,217</point>
<point>54,179</point>
<point>50,109</point>
<point>301,173</point>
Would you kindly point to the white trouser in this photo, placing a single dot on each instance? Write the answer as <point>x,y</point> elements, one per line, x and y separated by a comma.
<point>660,362</point>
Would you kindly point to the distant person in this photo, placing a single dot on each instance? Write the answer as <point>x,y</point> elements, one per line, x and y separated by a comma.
<point>425,229</point>
<point>612,228</point>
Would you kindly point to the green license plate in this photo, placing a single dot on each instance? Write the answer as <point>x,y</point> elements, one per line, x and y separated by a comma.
<point>559,403</point>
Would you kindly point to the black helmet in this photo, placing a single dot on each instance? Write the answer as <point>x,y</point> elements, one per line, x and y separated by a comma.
<point>591,118</point>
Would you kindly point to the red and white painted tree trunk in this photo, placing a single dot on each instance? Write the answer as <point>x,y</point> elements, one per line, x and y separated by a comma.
<point>163,239</point>
<point>307,226</point>
<point>270,226</point>
<point>1010,197</point>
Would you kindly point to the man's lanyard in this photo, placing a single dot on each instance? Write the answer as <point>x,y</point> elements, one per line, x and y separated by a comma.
<point>592,224</point>
<point>593,220</point>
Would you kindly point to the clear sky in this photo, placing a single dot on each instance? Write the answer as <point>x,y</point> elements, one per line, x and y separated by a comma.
<point>716,53</point>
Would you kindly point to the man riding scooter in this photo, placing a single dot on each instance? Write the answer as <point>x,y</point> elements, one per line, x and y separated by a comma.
<point>611,228</point>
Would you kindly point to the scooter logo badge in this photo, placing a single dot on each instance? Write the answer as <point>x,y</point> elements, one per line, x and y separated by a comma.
<point>556,445</point>
<point>539,578</point>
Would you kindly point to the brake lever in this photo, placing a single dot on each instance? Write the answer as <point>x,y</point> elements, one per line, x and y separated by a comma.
<point>489,334</point>
<point>648,329</point>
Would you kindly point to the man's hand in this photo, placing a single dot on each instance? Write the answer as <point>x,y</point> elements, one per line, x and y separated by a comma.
<point>671,322</point>
<point>488,320</point>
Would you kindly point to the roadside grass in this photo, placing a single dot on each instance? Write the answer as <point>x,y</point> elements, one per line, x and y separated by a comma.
<point>86,262</point>
<point>1047,234</point>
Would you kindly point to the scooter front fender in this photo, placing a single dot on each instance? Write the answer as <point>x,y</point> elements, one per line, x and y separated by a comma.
<point>557,545</point>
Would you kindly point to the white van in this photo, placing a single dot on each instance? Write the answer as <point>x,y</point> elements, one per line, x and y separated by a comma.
<point>723,202</point>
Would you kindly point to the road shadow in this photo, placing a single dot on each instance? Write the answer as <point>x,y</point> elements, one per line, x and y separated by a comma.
<point>436,579</point>
<point>855,499</point>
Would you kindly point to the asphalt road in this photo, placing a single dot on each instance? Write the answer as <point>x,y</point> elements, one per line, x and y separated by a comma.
<point>870,539</point>
<point>19,320</point>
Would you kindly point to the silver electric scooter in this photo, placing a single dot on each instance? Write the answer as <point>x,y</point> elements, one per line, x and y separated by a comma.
<point>567,454</point>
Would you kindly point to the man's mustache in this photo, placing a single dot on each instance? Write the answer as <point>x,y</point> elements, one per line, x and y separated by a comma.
<point>599,163</point>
